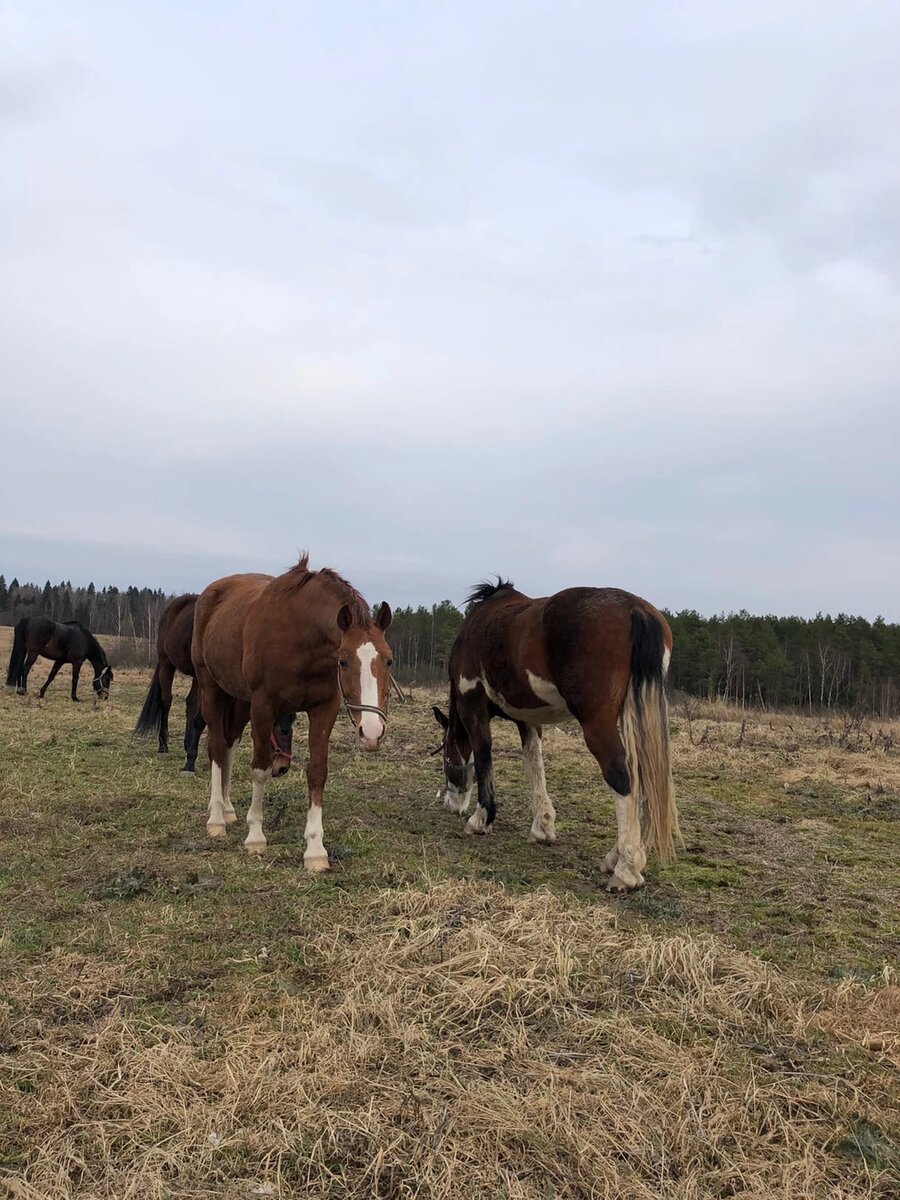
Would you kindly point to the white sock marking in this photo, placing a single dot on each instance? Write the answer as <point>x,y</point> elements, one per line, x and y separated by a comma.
<point>255,840</point>
<point>543,824</point>
<point>215,823</point>
<point>314,834</point>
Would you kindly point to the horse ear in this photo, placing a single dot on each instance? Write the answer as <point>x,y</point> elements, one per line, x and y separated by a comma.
<point>345,617</point>
<point>384,616</point>
<point>441,718</point>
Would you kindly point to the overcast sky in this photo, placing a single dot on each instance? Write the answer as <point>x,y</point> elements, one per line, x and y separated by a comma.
<point>582,293</point>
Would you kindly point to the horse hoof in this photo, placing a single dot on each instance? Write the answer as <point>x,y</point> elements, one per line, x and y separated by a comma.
<point>230,818</point>
<point>256,848</point>
<point>216,831</point>
<point>186,771</point>
<point>318,864</point>
<point>619,887</point>
<point>543,836</point>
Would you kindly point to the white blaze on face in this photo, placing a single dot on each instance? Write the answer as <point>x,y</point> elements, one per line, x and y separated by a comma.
<point>370,723</point>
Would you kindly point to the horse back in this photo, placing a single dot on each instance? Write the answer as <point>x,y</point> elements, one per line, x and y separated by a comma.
<point>220,617</point>
<point>555,656</point>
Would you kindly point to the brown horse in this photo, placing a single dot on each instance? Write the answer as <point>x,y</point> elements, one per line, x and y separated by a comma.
<point>173,653</point>
<point>304,641</point>
<point>596,654</point>
<point>61,642</point>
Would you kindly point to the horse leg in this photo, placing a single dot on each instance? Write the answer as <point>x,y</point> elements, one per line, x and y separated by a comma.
<point>54,671</point>
<point>626,861</point>
<point>22,681</point>
<point>166,679</point>
<point>261,718</point>
<point>76,671</point>
<point>321,723</point>
<point>237,716</point>
<point>220,756</point>
<point>543,824</point>
<point>482,819</point>
<point>193,728</point>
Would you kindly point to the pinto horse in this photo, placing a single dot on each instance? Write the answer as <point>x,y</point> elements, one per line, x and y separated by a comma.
<point>304,641</point>
<point>66,642</point>
<point>597,655</point>
<point>173,653</point>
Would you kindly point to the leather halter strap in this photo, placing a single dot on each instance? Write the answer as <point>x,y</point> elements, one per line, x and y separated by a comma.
<point>352,708</point>
<point>458,768</point>
<point>278,750</point>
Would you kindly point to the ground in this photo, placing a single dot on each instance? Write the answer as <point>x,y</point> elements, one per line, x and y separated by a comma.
<point>443,1015</point>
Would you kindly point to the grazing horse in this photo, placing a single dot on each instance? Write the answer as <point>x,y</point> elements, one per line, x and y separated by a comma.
<point>66,642</point>
<point>304,641</point>
<point>173,653</point>
<point>597,655</point>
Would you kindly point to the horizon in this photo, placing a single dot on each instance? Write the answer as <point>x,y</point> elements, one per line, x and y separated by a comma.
<point>460,605</point>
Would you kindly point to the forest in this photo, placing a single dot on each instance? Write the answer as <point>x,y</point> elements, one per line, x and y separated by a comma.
<point>816,664</point>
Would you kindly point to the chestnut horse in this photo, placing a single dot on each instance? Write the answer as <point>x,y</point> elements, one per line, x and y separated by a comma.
<point>304,641</point>
<point>61,642</point>
<point>173,653</point>
<point>597,655</point>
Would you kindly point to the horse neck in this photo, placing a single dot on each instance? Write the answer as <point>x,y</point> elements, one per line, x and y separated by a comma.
<point>95,656</point>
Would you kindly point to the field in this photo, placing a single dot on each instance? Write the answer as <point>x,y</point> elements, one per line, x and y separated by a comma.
<point>441,1015</point>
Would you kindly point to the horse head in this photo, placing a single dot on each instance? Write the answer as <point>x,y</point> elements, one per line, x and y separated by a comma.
<point>364,664</point>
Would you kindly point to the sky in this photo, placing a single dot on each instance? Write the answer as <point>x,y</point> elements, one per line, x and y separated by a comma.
<point>578,293</point>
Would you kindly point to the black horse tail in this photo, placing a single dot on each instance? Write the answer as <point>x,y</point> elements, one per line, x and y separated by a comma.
<point>17,658</point>
<point>150,720</point>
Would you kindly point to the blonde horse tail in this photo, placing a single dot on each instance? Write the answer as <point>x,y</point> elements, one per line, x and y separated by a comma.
<point>645,734</point>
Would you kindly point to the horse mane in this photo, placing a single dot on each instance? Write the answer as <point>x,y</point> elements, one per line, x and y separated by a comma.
<point>300,575</point>
<point>78,625</point>
<point>484,590</point>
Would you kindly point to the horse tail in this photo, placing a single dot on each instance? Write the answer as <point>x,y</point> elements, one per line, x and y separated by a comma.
<point>645,733</point>
<point>17,657</point>
<point>150,720</point>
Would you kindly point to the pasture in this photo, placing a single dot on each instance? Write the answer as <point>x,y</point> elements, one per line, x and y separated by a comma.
<point>442,1015</point>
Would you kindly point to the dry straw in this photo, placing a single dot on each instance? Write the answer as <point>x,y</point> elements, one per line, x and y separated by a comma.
<point>455,1041</point>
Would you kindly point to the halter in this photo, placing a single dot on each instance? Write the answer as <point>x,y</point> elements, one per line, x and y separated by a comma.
<point>352,708</point>
<point>278,750</point>
<point>98,679</point>
<point>458,768</point>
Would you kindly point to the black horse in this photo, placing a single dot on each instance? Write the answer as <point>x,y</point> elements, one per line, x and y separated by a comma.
<point>68,642</point>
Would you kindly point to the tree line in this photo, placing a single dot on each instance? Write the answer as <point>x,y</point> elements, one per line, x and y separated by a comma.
<point>132,613</point>
<point>817,663</point>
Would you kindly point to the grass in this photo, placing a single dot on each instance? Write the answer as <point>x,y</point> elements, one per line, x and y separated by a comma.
<point>444,1016</point>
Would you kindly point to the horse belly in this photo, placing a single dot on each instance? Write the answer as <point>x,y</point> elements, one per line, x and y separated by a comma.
<point>548,708</point>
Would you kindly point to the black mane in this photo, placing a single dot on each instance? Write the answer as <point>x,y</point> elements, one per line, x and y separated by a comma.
<point>486,589</point>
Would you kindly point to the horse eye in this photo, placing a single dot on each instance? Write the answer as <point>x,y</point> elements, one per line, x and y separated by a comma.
<point>390,662</point>
<point>342,663</point>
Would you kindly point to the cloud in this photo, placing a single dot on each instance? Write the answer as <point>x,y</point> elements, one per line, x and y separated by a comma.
<point>585,296</point>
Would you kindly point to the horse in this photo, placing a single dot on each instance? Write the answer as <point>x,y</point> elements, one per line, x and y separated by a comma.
<point>173,653</point>
<point>66,642</point>
<point>304,641</point>
<point>598,655</point>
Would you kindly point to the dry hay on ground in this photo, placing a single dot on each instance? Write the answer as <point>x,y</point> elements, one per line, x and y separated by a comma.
<point>456,1041</point>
